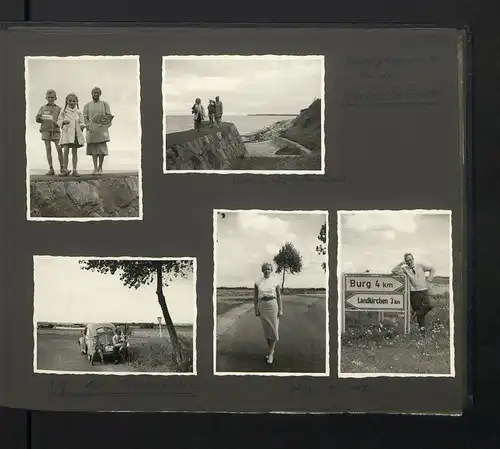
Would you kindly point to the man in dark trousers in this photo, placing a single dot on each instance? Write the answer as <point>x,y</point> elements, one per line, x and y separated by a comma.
<point>419,286</point>
<point>218,110</point>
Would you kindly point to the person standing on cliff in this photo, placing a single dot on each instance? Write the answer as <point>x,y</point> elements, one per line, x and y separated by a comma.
<point>198,114</point>
<point>50,131</point>
<point>211,112</point>
<point>98,118</point>
<point>218,110</point>
<point>419,286</point>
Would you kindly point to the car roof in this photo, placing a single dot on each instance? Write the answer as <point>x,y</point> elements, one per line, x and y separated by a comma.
<point>93,327</point>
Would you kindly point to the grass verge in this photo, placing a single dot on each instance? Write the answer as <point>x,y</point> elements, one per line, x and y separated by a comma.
<point>159,357</point>
<point>368,347</point>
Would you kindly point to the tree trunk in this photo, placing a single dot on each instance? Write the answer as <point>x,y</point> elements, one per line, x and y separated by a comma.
<point>283,283</point>
<point>166,315</point>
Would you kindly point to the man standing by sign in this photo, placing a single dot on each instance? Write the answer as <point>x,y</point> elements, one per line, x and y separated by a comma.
<point>419,290</point>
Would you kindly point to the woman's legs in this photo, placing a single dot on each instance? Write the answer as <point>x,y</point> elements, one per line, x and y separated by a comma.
<point>94,160</point>
<point>100,157</point>
<point>272,347</point>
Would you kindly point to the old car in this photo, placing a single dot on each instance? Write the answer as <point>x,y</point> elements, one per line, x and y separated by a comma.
<point>104,332</point>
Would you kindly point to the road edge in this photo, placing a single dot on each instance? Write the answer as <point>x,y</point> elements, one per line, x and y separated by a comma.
<point>231,317</point>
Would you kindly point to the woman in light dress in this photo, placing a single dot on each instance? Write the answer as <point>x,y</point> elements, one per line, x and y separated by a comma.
<point>268,307</point>
<point>72,124</point>
<point>198,111</point>
<point>97,133</point>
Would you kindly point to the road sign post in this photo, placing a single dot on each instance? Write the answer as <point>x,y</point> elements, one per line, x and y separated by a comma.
<point>376,293</point>
<point>159,322</point>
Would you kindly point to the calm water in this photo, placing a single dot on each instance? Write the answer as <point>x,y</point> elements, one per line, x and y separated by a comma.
<point>245,123</point>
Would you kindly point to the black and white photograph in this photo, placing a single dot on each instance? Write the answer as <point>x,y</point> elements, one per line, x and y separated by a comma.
<point>260,114</point>
<point>114,316</point>
<point>271,293</point>
<point>395,293</point>
<point>83,138</point>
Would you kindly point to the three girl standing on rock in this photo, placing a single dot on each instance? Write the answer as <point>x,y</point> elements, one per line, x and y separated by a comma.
<point>65,128</point>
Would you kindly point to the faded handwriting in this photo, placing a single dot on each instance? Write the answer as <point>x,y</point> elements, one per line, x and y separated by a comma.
<point>301,388</point>
<point>389,61</point>
<point>408,94</point>
<point>121,386</point>
<point>286,180</point>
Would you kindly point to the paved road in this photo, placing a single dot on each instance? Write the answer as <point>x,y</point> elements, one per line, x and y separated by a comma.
<point>301,348</point>
<point>262,149</point>
<point>83,176</point>
<point>61,353</point>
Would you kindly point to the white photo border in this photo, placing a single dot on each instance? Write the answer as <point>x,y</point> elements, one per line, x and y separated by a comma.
<point>27,121</point>
<point>327,296</point>
<point>111,373</point>
<point>343,375</point>
<point>321,171</point>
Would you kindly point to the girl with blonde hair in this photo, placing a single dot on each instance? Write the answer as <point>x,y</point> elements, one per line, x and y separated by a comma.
<point>72,124</point>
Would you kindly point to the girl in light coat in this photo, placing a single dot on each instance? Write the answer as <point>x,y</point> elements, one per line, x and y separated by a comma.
<point>72,124</point>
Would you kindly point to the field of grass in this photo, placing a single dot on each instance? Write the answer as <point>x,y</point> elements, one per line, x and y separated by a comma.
<point>369,347</point>
<point>229,298</point>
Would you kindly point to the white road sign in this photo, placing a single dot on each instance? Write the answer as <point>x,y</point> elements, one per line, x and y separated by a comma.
<point>372,284</point>
<point>378,301</point>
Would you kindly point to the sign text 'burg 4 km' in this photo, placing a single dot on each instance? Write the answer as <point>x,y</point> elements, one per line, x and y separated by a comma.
<point>375,293</point>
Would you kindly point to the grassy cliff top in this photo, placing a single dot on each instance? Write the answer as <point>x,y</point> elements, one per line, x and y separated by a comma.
<point>191,134</point>
<point>306,128</point>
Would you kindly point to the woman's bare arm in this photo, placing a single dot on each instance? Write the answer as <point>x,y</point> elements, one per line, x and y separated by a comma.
<point>256,299</point>
<point>278,298</point>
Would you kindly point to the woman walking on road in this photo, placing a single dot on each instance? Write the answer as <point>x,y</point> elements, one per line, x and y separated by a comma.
<point>269,307</point>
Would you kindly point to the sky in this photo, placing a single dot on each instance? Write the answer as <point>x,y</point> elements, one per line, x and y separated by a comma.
<point>64,293</point>
<point>245,85</point>
<point>378,241</point>
<point>247,239</point>
<point>119,81</point>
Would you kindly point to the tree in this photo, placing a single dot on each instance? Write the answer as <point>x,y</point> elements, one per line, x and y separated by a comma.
<point>135,273</point>
<point>288,259</point>
<point>321,248</point>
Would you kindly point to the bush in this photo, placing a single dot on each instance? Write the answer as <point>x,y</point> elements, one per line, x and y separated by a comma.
<point>159,357</point>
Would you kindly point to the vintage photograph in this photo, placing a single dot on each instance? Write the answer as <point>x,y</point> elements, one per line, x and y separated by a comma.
<point>128,316</point>
<point>83,138</point>
<point>271,293</point>
<point>244,114</point>
<point>395,293</point>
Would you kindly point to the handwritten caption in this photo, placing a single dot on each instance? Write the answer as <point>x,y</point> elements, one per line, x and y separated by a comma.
<point>306,388</point>
<point>388,80</point>
<point>122,386</point>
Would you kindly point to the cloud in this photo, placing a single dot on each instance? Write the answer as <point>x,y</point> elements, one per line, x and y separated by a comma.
<point>382,221</point>
<point>247,239</point>
<point>245,84</point>
<point>377,241</point>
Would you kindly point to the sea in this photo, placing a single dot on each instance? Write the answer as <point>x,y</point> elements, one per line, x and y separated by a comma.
<point>244,123</point>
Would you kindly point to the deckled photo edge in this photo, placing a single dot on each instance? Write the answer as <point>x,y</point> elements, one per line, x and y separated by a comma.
<point>214,289</point>
<point>26,124</point>
<point>214,299</point>
<point>320,171</point>
<point>139,140</point>
<point>341,374</point>
<point>139,171</point>
<point>107,373</point>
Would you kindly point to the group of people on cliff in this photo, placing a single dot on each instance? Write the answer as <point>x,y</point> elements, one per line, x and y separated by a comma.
<point>215,111</point>
<point>64,127</point>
